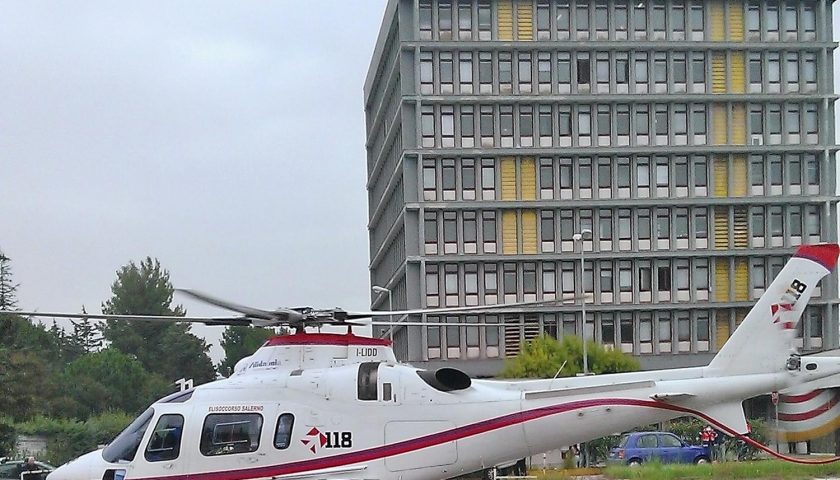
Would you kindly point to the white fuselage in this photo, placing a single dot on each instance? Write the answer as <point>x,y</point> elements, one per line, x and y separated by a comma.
<point>419,432</point>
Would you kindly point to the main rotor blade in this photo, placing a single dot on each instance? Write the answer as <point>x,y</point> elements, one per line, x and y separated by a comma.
<point>143,318</point>
<point>249,311</point>
<point>434,311</point>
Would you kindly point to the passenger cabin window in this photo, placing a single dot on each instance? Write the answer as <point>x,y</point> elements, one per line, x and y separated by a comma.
<point>367,380</point>
<point>124,447</point>
<point>225,434</point>
<point>165,443</point>
<point>283,433</point>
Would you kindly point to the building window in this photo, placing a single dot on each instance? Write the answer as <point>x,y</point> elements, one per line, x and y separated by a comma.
<point>490,279</point>
<point>427,125</point>
<point>529,279</point>
<point>433,338</point>
<point>445,70</point>
<point>429,180</point>
<point>505,69</point>
<point>547,229</point>
<point>605,275</point>
<point>564,72</point>
<point>544,71</point>
<point>543,20</point>
<point>485,20</point>
<point>450,282</point>
<point>583,70</point>
<point>425,19</point>
<point>524,71</point>
<point>545,125</point>
<point>464,20</point>
<point>470,232</point>
<point>526,125</point>
<point>450,232</point>
<point>563,19</point>
<point>506,125</point>
<point>582,21</point>
<point>453,338</point>
<point>488,179</point>
<point>467,126</point>
<point>426,77</point>
<point>432,286</point>
<point>430,232</point>
<point>485,72</point>
<point>701,224</point>
<point>465,72</point>
<point>549,279</point>
<point>622,71</point>
<point>471,280</point>
<point>488,231</point>
<point>510,282</point>
<point>447,125</point>
<point>486,124</point>
<point>620,21</point>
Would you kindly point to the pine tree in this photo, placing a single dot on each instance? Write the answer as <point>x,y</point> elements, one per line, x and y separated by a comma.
<point>8,289</point>
<point>167,349</point>
<point>87,335</point>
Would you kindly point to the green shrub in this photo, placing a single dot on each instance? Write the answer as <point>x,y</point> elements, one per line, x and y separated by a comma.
<point>67,438</point>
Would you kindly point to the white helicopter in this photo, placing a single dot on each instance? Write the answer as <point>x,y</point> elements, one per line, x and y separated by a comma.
<point>335,406</point>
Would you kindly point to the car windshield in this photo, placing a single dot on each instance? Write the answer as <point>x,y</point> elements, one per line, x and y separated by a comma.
<point>623,442</point>
<point>124,447</point>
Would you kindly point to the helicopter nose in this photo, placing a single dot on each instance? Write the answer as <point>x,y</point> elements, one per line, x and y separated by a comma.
<point>89,466</point>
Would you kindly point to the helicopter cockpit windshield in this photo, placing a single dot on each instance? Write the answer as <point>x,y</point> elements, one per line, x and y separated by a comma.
<point>124,447</point>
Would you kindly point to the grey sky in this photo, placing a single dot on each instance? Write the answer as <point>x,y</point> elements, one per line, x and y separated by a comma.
<point>224,138</point>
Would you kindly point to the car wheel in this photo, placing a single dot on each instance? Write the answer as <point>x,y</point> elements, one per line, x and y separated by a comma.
<point>635,463</point>
<point>701,461</point>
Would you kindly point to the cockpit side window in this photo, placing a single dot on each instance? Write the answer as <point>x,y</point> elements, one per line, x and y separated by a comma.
<point>228,433</point>
<point>283,434</point>
<point>124,447</point>
<point>367,380</point>
<point>165,443</point>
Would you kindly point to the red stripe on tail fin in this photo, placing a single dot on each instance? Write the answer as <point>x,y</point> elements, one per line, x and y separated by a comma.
<point>824,253</point>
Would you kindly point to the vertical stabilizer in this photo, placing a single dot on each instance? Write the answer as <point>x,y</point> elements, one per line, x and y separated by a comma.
<point>764,340</point>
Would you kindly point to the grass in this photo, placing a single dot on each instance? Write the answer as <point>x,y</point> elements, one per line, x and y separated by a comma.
<point>763,469</point>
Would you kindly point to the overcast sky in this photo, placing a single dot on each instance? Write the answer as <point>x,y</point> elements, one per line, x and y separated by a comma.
<point>224,138</point>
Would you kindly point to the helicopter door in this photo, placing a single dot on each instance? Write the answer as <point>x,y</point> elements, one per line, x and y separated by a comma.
<point>164,453</point>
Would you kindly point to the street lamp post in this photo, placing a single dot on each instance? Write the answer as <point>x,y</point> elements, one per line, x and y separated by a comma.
<point>380,290</point>
<point>579,238</point>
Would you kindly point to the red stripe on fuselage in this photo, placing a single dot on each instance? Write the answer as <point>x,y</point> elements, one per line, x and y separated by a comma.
<point>326,339</point>
<point>407,446</point>
<point>800,398</point>
<point>798,417</point>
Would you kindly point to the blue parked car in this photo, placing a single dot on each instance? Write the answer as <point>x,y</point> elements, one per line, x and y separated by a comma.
<point>635,448</point>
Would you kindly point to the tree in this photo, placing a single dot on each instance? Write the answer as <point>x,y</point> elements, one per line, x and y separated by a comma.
<point>86,337</point>
<point>8,288</point>
<point>543,356</point>
<point>107,380</point>
<point>25,383</point>
<point>168,349</point>
<point>239,342</point>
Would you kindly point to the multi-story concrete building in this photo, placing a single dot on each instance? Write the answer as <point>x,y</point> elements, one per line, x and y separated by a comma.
<point>694,139</point>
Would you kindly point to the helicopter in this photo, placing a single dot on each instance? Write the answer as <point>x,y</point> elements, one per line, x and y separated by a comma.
<point>340,407</point>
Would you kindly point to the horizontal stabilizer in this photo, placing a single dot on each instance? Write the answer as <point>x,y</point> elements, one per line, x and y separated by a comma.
<point>671,397</point>
<point>728,417</point>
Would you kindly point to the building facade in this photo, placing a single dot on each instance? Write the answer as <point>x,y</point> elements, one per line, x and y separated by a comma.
<point>693,139</point>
